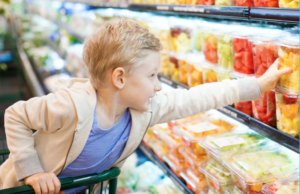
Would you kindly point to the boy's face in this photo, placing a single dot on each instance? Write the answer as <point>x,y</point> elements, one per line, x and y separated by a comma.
<point>142,83</point>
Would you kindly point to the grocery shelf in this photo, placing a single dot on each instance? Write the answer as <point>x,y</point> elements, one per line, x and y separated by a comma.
<point>270,132</point>
<point>165,169</point>
<point>61,53</point>
<point>225,12</point>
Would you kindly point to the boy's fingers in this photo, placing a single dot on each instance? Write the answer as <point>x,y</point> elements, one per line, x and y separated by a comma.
<point>36,188</point>
<point>43,187</point>
<point>56,183</point>
<point>50,186</point>
<point>284,71</point>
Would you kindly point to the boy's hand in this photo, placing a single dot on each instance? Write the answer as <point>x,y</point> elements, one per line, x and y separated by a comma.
<point>268,81</point>
<point>44,183</point>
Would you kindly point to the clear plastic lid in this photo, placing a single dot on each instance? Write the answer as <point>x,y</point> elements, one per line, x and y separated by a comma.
<point>290,40</point>
<point>225,145</point>
<point>198,116</point>
<point>233,190</point>
<point>265,166</point>
<point>217,173</point>
<point>160,131</point>
<point>287,186</point>
<point>196,181</point>
<point>286,92</point>
<point>191,158</point>
<point>217,122</point>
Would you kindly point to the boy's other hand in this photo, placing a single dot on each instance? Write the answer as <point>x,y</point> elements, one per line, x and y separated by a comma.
<point>44,183</point>
<point>268,81</point>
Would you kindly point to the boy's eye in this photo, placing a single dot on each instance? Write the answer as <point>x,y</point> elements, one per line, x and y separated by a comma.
<point>152,75</point>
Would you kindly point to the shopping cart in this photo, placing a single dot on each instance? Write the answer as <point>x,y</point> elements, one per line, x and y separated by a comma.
<point>70,182</point>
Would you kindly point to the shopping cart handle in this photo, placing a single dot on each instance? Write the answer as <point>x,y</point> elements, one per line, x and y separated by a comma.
<point>70,182</point>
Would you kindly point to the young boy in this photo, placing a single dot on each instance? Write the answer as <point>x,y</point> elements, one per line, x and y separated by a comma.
<point>91,125</point>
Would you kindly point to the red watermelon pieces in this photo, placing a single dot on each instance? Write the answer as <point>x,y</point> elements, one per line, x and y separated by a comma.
<point>245,3</point>
<point>264,108</point>
<point>245,107</point>
<point>264,56</point>
<point>266,3</point>
<point>243,57</point>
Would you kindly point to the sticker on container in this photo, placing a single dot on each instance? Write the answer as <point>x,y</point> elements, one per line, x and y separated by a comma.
<point>163,125</point>
<point>228,141</point>
<point>202,127</point>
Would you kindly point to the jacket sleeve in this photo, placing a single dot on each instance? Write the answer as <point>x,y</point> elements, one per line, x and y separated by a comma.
<point>177,104</point>
<point>47,113</point>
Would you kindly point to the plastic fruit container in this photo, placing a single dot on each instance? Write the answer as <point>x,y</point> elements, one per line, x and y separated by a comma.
<point>245,107</point>
<point>175,164</point>
<point>195,74</point>
<point>233,190</point>
<point>225,51</point>
<point>288,186</point>
<point>289,4</point>
<point>160,131</point>
<point>159,148</point>
<point>183,71</point>
<point>264,109</point>
<point>164,68</point>
<point>265,52</point>
<point>174,67</point>
<point>223,146</point>
<point>192,131</point>
<point>218,177</point>
<point>250,171</point>
<point>206,2</point>
<point>243,55</point>
<point>181,35</point>
<point>287,111</point>
<point>266,3</point>
<point>209,47</point>
<point>195,181</point>
<point>193,161</point>
<point>174,142</point>
<point>148,138</point>
<point>289,57</point>
<point>209,75</point>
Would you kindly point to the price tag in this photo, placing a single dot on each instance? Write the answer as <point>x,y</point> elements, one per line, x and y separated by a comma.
<point>162,7</point>
<point>180,87</point>
<point>228,141</point>
<point>201,127</point>
<point>189,9</point>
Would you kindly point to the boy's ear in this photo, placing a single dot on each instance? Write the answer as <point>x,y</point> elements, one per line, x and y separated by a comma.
<point>118,77</point>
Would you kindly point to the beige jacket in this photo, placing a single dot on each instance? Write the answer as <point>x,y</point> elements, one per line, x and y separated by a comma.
<point>63,121</point>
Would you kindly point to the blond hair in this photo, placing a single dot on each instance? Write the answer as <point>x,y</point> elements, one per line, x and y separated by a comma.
<point>117,43</point>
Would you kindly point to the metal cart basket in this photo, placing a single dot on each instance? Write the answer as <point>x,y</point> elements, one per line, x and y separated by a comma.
<point>67,183</point>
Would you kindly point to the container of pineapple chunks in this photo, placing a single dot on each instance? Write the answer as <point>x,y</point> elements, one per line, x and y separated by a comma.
<point>288,186</point>
<point>223,146</point>
<point>218,176</point>
<point>192,131</point>
<point>251,171</point>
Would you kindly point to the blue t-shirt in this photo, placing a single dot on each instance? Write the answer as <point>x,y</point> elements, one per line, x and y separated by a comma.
<point>102,149</point>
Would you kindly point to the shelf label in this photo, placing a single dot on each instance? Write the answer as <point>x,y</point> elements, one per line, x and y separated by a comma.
<point>180,87</point>
<point>189,9</point>
<point>228,141</point>
<point>162,7</point>
<point>202,127</point>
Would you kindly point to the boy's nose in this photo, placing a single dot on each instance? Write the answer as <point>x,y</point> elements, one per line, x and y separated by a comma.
<point>158,87</point>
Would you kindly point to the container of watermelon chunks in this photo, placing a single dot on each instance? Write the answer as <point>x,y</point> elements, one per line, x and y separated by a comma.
<point>244,3</point>
<point>265,52</point>
<point>252,170</point>
<point>288,186</point>
<point>288,53</point>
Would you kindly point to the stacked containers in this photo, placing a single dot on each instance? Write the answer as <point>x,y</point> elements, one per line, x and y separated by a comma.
<point>221,147</point>
<point>195,181</point>
<point>181,34</point>
<point>250,171</point>
<point>233,190</point>
<point>209,43</point>
<point>287,186</point>
<point>265,52</point>
<point>224,49</point>
<point>287,111</point>
<point>288,53</point>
